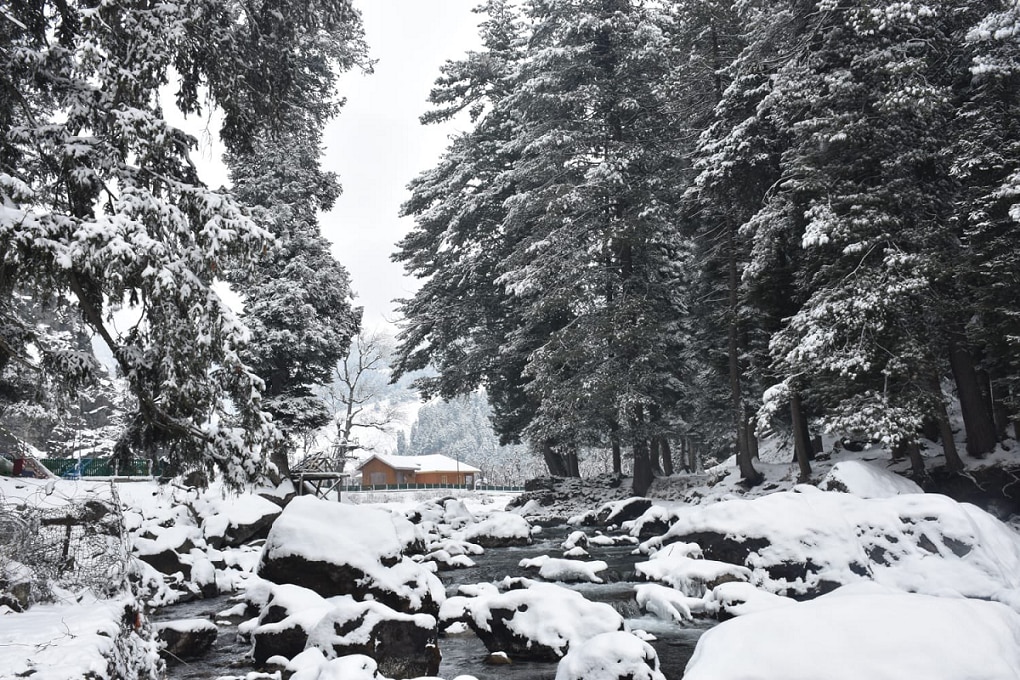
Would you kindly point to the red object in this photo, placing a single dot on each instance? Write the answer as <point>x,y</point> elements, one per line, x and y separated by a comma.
<point>19,467</point>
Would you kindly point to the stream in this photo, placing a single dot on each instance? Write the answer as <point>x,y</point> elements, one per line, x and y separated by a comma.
<point>463,653</point>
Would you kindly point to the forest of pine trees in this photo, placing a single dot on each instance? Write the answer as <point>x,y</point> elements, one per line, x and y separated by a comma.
<point>670,228</point>
<point>702,221</point>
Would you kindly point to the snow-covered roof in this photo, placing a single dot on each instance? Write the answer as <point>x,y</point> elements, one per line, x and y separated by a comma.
<point>434,463</point>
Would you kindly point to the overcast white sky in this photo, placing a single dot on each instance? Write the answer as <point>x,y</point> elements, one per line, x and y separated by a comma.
<point>377,144</point>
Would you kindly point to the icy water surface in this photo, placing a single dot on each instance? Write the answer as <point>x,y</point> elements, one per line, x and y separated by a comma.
<point>464,653</point>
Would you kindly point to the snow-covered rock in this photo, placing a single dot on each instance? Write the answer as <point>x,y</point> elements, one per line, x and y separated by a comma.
<point>338,549</point>
<point>313,665</point>
<point>667,603</point>
<point>806,542</point>
<point>867,480</point>
<point>498,530</point>
<point>565,570</point>
<point>865,631</point>
<point>236,520</point>
<point>738,599</point>
<point>693,577</point>
<point>403,645</point>
<point>539,621</point>
<point>185,639</point>
<point>611,656</point>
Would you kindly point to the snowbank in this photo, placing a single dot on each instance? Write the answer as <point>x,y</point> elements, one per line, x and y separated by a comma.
<point>865,631</point>
<point>807,542</point>
<point>66,641</point>
<point>611,656</point>
<point>867,480</point>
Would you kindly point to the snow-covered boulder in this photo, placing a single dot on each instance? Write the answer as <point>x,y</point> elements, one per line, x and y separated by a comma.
<point>864,631</point>
<point>867,480</point>
<point>667,603</point>
<point>539,621</point>
<point>185,639</point>
<point>447,562</point>
<point>313,665</point>
<point>807,542</point>
<point>618,512</point>
<point>337,549</point>
<point>611,656</point>
<point>576,539</point>
<point>233,521</point>
<point>498,530</point>
<point>403,645</point>
<point>693,577</point>
<point>738,599</point>
<point>287,614</point>
<point>168,549</point>
<point>565,570</point>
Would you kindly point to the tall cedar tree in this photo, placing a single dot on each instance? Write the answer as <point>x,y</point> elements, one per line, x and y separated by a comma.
<point>100,202</point>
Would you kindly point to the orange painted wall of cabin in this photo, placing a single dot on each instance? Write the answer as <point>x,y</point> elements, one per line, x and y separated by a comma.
<point>437,477</point>
<point>376,465</point>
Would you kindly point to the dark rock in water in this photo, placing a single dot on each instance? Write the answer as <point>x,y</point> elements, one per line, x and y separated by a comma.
<point>622,511</point>
<point>329,579</point>
<point>167,562</point>
<point>499,635</point>
<point>498,659</point>
<point>404,645</point>
<point>287,639</point>
<point>185,639</point>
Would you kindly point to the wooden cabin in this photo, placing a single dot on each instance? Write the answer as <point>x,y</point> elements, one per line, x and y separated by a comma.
<point>380,469</point>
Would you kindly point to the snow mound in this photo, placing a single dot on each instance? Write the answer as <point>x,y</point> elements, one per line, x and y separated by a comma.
<point>807,542</point>
<point>866,480</point>
<point>667,603</point>
<point>861,632</point>
<point>312,528</point>
<point>611,656</point>
<point>498,529</point>
<point>565,570</point>
<point>539,621</point>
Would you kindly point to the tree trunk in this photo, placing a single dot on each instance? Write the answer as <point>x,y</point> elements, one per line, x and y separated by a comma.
<point>977,421</point>
<point>748,474</point>
<point>614,439</point>
<point>1000,414</point>
<point>684,455</point>
<point>801,437</point>
<point>642,468</point>
<point>554,460</point>
<point>573,466</point>
<point>953,462</point>
<point>654,454</point>
<point>913,452</point>
<point>667,457</point>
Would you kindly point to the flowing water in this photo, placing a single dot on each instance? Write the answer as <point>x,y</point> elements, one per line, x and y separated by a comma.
<point>464,653</point>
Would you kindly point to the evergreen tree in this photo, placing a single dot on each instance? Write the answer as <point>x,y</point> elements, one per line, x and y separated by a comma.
<point>297,300</point>
<point>101,203</point>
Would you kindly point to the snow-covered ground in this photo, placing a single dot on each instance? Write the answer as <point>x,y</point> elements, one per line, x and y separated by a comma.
<point>869,579</point>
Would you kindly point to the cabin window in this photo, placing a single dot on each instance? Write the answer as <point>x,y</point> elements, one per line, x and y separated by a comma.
<point>378,478</point>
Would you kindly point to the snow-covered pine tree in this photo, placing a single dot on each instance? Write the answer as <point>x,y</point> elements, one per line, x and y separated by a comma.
<point>987,163</point>
<point>862,107</point>
<point>462,318</point>
<point>99,201</point>
<point>297,299</point>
